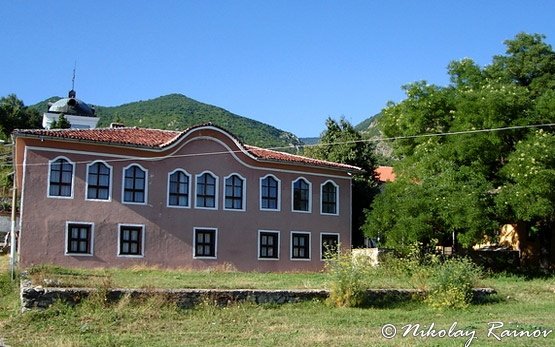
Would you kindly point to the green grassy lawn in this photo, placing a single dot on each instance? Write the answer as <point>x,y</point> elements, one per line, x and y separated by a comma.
<point>522,305</point>
<point>143,277</point>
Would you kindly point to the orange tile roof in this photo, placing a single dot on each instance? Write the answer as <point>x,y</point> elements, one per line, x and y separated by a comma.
<point>158,139</point>
<point>385,174</point>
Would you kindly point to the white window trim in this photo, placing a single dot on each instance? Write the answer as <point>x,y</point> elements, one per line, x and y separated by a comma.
<point>216,190</point>
<point>309,195</point>
<point>309,246</point>
<point>243,196</point>
<point>66,251</point>
<point>72,178</point>
<point>143,234</point>
<point>328,233</point>
<point>278,194</point>
<point>278,245</point>
<point>123,185</point>
<point>336,198</point>
<point>215,242</point>
<point>110,181</point>
<point>188,192</point>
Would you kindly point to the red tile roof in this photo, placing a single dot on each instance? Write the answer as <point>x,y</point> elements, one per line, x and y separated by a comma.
<point>268,154</point>
<point>121,136</point>
<point>158,139</point>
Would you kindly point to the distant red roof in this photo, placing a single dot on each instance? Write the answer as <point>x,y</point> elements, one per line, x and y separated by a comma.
<point>158,139</point>
<point>385,174</point>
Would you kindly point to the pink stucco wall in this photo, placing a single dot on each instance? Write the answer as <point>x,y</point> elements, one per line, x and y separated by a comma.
<point>169,232</point>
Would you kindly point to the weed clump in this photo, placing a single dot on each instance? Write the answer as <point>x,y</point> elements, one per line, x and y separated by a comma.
<point>452,282</point>
<point>347,280</point>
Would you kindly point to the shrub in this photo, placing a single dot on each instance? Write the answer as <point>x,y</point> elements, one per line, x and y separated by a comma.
<point>451,283</point>
<point>347,280</point>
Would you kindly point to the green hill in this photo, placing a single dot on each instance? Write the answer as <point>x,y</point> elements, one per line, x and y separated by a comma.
<point>178,112</point>
<point>369,126</point>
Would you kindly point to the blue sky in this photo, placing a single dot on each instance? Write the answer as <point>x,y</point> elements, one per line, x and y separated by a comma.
<point>290,64</point>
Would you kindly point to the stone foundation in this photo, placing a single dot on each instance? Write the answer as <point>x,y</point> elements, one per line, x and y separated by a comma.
<point>40,297</point>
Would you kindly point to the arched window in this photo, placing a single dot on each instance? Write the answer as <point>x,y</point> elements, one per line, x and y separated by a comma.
<point>134,185</point>
<point>269,193</point>
<point>178,189</point>
<point>328,198</point>
<point>60,181</point>
<point>234,193</point>
<point>301,195</point>
<point>206,191</point>
<point>98,181</point>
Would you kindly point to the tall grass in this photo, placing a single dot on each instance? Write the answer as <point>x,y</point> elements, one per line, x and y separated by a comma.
<point>448,283</point>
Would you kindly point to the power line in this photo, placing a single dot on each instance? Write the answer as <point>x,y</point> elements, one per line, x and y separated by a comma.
<point>379,139</point>
<point>473,131</point>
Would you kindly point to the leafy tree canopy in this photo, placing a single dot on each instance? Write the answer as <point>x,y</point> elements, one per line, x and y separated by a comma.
<point>15,115</point>
<point>341,143</point>
<point>469,183</point>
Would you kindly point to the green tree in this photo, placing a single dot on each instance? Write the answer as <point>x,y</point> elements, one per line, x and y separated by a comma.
<point>61,123</point>
<point>341,143</point>
<point>15,115</point>
<point>469,181</point>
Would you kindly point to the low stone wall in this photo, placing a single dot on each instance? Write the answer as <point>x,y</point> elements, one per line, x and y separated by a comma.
<point>41,297</point>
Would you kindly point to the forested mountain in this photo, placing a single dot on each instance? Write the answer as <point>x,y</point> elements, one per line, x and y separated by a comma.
<point>178,112</point>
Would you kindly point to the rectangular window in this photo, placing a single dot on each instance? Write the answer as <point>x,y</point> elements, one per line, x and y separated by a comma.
<point>131,240</point>
<point>79,239</point>
<point>300,245</point>
<point>329,245</point>
<point>205,243</point>
<point>268,245</point>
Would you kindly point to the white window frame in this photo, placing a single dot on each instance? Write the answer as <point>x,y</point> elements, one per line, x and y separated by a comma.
<point>336,198</point>
<point>110,181</point>
<point>188,192</point>
<point>278,244</point>
<point>195,242</point>
<point>309,246</point>
<point>243,196</point>
<point>143,234</point>
<point>216,190</point>
<point>278,194</point>
<point>321,237</point>
<point>66,250</point>
<point>309,195</point>
<point>123,185</point>
<point>50,162</point>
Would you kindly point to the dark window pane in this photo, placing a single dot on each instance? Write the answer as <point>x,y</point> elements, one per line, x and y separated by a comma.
<point>300,246</point>
<point>205,243</point>
<point>79,239</point>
